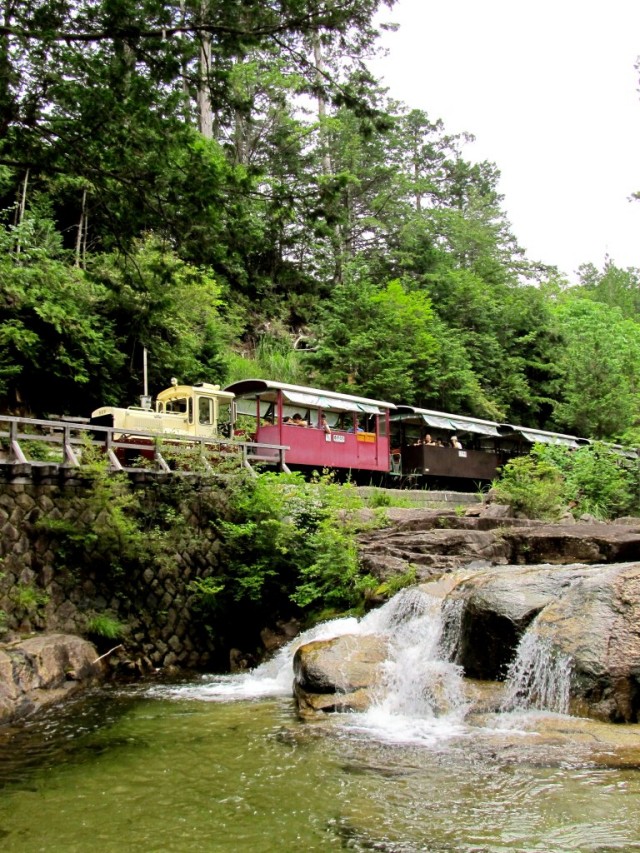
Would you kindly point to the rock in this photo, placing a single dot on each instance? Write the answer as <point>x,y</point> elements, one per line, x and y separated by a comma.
<point>43,670</point>
<point>579,542</point>
<point>596,624</point>
<point>434,542</point>
<point>496,510</point>
<point>275,637</point>
<point>496,606</point>
<point>338,674</point>
<point>587,518</point>
<point>588,616</point>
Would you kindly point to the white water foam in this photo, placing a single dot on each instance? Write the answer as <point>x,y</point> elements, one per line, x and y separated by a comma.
<point>420,697</point>
<point>272,678</point>
<point>539,676</point>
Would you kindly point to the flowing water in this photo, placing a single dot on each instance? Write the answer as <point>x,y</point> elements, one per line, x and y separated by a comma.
<point>224,763</point>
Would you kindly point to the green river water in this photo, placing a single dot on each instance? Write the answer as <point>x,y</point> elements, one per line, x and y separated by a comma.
<point>160,769</point>
<point>225,763</point>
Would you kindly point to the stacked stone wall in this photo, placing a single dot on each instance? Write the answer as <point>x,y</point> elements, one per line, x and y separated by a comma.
<point>40,591</point>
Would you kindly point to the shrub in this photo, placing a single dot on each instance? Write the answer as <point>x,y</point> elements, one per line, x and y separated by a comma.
<point>288,539</point>
<point>532,486</point>
<point>29,598</point>
<point>598,481</point>
<point>594,479</point>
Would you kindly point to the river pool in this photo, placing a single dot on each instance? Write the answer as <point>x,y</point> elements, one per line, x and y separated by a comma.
<point>169,769</point>
<point>224,763</point>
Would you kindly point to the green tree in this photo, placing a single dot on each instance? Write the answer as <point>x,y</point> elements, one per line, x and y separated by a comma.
<point>59,350</point>
<point>598,360</point>
<point>613,286</point>
<point>378,342</point>
<point>170,307</point>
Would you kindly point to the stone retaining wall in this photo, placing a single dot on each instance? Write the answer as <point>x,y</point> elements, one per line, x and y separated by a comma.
<point>41,590</point>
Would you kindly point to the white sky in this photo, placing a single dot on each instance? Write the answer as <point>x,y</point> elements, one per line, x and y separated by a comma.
<point>549,90</point>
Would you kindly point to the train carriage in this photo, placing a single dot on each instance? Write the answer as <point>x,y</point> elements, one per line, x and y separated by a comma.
<point>423,444</point>
<point>294,426</point>
<point>321,429</point>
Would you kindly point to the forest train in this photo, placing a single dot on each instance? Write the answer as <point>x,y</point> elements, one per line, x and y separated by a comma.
<point>368,440</point>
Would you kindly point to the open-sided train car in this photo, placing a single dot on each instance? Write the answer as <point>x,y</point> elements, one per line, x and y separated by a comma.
<point>321,429</point>
<point>442,446</point>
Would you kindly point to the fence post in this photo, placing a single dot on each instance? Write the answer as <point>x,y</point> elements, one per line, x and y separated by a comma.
<point>16,450</point>
<point>70,457</point>
<point>111,454</point>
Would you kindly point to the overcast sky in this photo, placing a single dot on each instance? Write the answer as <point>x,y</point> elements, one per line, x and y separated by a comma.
<point>550,92</point>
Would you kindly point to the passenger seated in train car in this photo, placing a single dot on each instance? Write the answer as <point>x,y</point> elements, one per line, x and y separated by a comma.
<point>323,424</point>
<point>298,420</point>
<point>455,442</point>
<point>427,440</point>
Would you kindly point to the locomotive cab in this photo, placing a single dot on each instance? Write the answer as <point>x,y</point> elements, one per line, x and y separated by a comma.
<point>203,411</point>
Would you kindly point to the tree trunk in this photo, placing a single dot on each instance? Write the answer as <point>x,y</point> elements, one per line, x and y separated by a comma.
<point>205,114</point>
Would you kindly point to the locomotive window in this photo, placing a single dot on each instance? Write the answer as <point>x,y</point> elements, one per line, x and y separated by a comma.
<point>205,410</point>
<point>178,407</point>
<point>382,424</point>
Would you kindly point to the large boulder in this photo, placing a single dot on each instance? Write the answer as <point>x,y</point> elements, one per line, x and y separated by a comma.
<point>493,608</point>
<point>338,674</point>
<point>585,616</point>
<point>596,626</point>
<point>42,670</point>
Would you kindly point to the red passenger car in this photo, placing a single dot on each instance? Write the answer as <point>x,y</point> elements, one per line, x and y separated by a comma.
<point>321,429</point>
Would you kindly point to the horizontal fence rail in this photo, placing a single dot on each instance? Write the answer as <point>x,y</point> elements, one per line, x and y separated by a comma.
<point>70,444</point>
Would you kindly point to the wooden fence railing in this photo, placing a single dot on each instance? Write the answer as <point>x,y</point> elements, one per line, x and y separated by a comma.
<point>33,442</point>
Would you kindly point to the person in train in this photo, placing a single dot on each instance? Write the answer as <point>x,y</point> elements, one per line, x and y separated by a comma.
<point>455,442</point>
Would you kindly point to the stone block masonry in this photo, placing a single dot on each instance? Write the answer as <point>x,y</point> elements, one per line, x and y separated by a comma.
<point>42,587</point>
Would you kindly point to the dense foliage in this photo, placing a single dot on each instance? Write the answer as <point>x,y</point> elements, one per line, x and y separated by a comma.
<point>227,186</point>
<point>553,479</point>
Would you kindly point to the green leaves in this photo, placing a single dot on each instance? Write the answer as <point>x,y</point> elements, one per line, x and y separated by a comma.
<point>598,361</point>
<point>50,315</point>
<point>594,479</point>
<point>377,342</point>
<point>292,540</point>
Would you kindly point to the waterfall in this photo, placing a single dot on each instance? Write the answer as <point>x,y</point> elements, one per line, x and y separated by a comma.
<point>538,677</point>
<point>274,677</point>
<point>417,681</point>
<point>420,695</point>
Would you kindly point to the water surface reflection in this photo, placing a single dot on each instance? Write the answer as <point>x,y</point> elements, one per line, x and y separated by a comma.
<point>163,770</point>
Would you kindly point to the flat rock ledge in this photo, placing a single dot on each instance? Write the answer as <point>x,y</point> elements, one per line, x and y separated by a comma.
<point>431,542</point>
<point>43,670</point>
